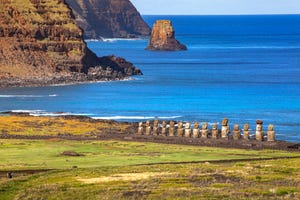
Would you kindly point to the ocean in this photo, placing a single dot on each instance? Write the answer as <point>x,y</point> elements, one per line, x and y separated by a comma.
<point>243,68</point>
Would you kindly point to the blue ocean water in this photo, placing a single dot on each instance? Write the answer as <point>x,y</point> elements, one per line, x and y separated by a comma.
<point>240,67</point>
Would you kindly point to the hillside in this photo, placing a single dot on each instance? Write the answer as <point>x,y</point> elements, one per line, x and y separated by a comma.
<point>41,44</point>
<point>108,19</point>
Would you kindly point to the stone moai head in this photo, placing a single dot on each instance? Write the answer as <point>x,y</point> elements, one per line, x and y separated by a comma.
<point>259,122</point>
<point>225,122</point>
<point>259,127</point>
<point>164,124</point>
<point>215,126</point>
<point>236,127</point>
<point>147,123</point>
<point>187,125</point>
<point>205,126</point>
<point>271,127</point>
<point>140,124</point>
<point>196,125</point>
<point>246,127</point>
<point>155,123</point>
<point>180,124</point>
<point>172,123</point>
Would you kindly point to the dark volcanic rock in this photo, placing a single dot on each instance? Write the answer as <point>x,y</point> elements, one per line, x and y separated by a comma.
<point>108,18</point>
<point>163,37</point>
<point>41,44</point>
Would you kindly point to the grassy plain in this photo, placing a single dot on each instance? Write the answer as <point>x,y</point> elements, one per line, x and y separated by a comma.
<point>134,170</point>
<point>120,170</point>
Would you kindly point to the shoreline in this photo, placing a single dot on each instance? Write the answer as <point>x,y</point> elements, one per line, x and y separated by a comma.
<point>8,84</point>
<point>71,127</point>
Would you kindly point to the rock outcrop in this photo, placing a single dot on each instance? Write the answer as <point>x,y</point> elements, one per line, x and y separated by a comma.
<point>163,37</point>
<point>108,19</point>
<point>41,44</point>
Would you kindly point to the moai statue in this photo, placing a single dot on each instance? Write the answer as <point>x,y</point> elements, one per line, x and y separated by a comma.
<point>271,133</point>
<point>172,129</point>
<point>236,132</point>
<point>148,128</point>
<point>246,132</point>
<point>204,131</point>
<point>259,130</point>
<point>187,131</point>
<point>225,128</point>
<point>196,130</point>
<point>140,129</point>
<point>215,131</point>
<point>155,127</point>
<point>180,130</point>
<point>164,128</point>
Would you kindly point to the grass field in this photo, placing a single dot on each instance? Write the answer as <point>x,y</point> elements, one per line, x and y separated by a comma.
<point>112,170</point>
<point>47,154</point>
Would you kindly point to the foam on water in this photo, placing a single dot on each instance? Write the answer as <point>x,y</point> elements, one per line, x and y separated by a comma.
<point>26,96</point>
<point>135,117</point>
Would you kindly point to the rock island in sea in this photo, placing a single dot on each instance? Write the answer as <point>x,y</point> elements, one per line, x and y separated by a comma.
<point>163,37</point>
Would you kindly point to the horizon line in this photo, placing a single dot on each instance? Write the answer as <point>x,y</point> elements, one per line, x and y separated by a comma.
<point>216,14</point>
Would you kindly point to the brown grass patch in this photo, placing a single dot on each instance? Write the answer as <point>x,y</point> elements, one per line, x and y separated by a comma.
<point>124,177</point>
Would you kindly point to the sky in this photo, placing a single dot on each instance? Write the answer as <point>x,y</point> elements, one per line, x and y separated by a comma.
<point>219,7</point>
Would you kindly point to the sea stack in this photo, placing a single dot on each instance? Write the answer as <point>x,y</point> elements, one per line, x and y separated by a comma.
<point>163,37</point>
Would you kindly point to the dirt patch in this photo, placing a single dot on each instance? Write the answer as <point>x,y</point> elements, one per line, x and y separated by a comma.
<point>123,177</point>
<point>71,153</point>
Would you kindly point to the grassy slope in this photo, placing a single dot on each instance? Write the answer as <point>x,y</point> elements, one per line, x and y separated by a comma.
<point>51,126</point>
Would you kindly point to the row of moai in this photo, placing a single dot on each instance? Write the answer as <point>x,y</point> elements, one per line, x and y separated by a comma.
<point>186,130</point>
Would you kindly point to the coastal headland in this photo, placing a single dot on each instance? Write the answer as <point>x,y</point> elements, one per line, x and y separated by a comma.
<point>41,44</point>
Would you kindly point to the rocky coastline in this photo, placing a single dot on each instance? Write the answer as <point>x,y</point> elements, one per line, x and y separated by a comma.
<point>124,70</point>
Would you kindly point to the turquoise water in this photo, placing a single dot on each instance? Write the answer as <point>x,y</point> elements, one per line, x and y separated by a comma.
<point>241,67</point>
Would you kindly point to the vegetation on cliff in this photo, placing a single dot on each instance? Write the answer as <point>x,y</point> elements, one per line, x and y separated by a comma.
<point>40,43</point>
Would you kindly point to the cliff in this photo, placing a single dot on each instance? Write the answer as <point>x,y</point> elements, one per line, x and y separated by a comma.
<point>108,19</point>
<point>41,44</point>
<point>163,37</point>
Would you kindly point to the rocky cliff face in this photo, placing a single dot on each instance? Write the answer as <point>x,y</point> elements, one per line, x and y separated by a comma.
<point>163,37</point>
<point>108,18</point>
<point>40,44</point>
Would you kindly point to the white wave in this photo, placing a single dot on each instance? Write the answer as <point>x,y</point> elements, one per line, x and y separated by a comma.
<point>113,39</point>
<point>27,96</point>
<point>39,113</point>
<point>53,95</point>
<point>27,111</point>
<point>53,114</point>
<point>134,117</point>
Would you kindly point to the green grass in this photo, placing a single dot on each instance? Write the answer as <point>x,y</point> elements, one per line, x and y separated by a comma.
<point>46,154</point>
<point>182,181</point>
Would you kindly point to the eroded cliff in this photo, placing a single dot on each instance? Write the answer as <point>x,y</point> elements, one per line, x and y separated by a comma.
<point>108,18</point>
<point>41,44</point>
